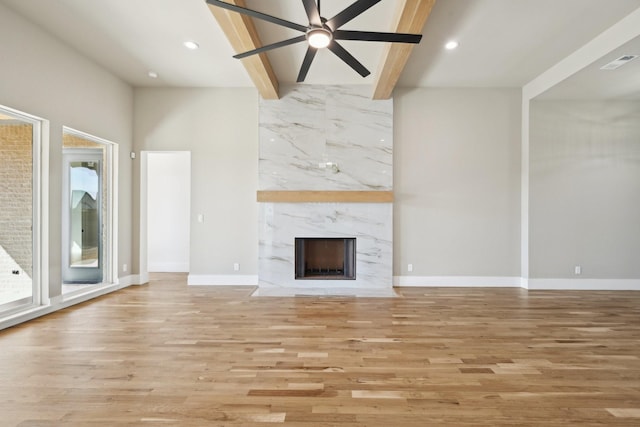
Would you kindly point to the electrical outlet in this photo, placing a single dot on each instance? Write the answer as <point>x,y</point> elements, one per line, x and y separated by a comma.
<point>409,268</point>
<point>124,268</point>
<point>236,267</point>
<point>577,270</point>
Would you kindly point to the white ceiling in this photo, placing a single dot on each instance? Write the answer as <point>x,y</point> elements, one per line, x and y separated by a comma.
<point>503,43</point>
<point>593,83</point>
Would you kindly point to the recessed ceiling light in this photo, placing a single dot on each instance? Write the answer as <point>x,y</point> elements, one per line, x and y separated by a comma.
<point>152,74</point>
<point>451,45</point>
<point>191,45</point>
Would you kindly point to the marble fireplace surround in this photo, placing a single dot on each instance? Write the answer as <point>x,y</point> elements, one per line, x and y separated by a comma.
<point>325,170</point>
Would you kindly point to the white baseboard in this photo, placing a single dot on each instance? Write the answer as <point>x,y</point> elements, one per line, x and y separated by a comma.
<point>459,281</point>
<point>222,280</point>
<point>143,278</point>
<point>518,282</point>
<point>168,267</point>
<point>57,300</point>
<point>62,301</point>
<point>132,279</point>
<point>585,284</point>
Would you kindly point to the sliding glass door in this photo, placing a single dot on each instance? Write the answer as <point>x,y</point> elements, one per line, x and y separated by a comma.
<point>19,210</point>
<point>82,253</point>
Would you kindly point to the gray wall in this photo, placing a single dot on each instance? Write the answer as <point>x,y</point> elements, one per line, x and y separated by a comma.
<point>456,179</point>
<point>41,76</point>
<point>220,128</point>
<point>457,182</point>
<point>585,189</point>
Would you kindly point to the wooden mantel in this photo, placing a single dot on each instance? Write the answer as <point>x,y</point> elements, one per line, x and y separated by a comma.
<point>325,196</point>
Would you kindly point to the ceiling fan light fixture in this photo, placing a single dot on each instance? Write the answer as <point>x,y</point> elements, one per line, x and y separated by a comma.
<point>321,33</point>
<point>319,37</point>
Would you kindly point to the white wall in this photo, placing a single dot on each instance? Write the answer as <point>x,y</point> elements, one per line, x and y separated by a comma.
<point>168,215</point>
<point>585,189</point>
<point>457,182</point>
<point>41,76</point>
<point>220,128</point>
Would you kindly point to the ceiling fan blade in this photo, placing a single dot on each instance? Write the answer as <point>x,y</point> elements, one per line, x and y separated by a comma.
<point>271,46</point>
<point>313,12</point>
<point>308,57</point>
<point>258,15</point>
<point>370,36</point>
<point>349,13</point>
<point>348,58</point>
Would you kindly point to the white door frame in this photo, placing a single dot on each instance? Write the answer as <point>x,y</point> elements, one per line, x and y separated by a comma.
<point>110,221</point>
<point>144,194</point>
<point>40,207</point>
<point>71,274</point>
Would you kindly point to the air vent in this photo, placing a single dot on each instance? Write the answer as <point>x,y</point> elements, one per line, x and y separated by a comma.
<point>619,62</point>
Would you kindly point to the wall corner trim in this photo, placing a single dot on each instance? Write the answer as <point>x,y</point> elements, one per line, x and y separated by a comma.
<point>132,279</point>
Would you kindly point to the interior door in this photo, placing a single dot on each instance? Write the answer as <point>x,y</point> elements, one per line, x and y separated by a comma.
<point>82,216</point>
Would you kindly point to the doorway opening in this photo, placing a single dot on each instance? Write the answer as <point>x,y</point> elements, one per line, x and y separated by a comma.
<point>165,211</point>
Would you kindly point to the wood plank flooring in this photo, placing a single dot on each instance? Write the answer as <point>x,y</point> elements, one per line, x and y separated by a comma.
<point>166,354</point>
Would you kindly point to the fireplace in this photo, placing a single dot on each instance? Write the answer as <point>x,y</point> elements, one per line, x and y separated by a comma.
<point>320,258</point>
<point>309,128</point>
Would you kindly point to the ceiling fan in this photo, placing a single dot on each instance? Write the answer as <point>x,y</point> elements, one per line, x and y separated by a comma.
<point>322,33</point>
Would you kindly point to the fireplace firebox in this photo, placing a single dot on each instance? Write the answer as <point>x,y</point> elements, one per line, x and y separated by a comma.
<point>321,258</point>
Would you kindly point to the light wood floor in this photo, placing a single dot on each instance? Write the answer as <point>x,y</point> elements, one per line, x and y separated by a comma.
<point>166,354</point>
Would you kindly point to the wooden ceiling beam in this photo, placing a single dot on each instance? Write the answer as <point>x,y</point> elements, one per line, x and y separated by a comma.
<point>411,18</point>
<point>243,37</point>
